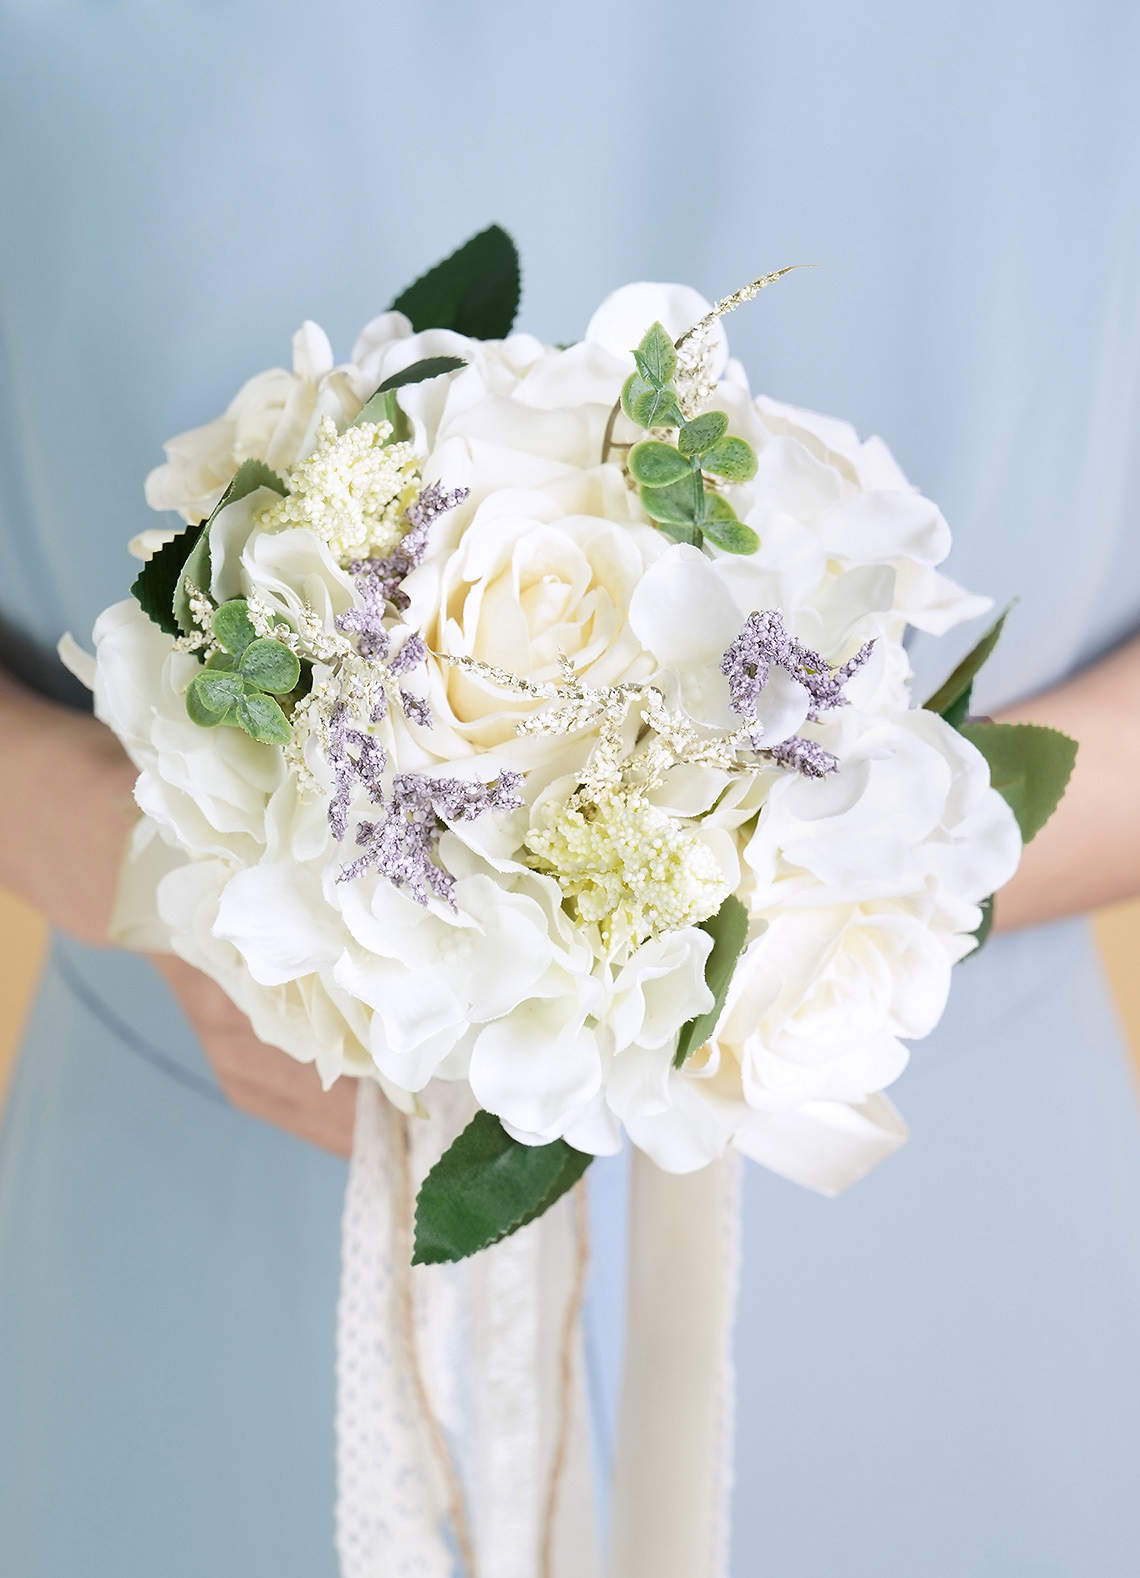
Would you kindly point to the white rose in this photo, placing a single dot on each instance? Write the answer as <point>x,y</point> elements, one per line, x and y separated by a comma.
<point>537,574</point>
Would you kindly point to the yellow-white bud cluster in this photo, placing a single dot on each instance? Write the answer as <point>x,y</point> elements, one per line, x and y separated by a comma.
<point>352,491</point>
<point>628,865</point>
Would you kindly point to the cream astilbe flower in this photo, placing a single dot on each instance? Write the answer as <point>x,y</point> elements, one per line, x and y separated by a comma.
<point>628,865</point>
<point>352,491</point>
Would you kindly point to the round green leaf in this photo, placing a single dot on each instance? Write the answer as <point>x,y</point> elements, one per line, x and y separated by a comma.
<point>233,626</point>
<point>657,464</point>
<point>722,527</point>
<point>199,714</point>
<point>730,458</point>
<point>270,666</point>
<point>262,719</point>
<point>211,695</point>
<point>220,659</point>
<point>699,435</point>
<point>676,504</point>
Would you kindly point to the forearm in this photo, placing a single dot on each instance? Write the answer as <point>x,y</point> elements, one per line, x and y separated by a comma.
<point>1088,853</point>
<point>65,810</point>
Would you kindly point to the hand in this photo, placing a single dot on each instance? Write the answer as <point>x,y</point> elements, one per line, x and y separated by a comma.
<point>66,813</point>
<point>260,1080</point>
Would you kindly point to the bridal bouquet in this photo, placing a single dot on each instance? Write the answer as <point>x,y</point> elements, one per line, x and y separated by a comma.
<point>539,718</point>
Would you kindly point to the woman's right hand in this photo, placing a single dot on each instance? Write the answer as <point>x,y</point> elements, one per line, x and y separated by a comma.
<point>66,814</point>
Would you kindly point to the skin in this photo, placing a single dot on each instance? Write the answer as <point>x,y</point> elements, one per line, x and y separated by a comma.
<point>67,866</point>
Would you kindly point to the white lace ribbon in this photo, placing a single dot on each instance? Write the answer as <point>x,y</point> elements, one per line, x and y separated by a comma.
<point>390,1500</point>
<point>482,1401</point>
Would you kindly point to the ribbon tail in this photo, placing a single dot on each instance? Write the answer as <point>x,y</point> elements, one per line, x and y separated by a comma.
<point>390,1500</point>
<point>673,1469</point>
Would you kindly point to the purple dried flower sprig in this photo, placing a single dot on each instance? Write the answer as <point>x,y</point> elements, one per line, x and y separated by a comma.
<point>402,845</point>
<point>765,643</point>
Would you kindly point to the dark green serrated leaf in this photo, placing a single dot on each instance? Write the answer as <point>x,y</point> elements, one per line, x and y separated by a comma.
<point>702,433</point>
<point>657,464</point>
<point>655,357</point>
<point>486,1186</point>
<point>730,458</point>
<point>262,719</point>
<point>154,586</point>
<point>420,372</point>
<point>233,627</point>
<point>249,476</point>
<point>475,291</point>
<point>269,666</point>
<point>1030,767</point>
<point>959,710</point>
<point>196,571</point>
<point>960,683</point>
<point>679,504</point>
<point>381,406</point>
<point>728,929</point>
<point>722,527</point>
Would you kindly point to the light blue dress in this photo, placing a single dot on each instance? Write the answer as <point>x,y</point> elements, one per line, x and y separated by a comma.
<point>938,1372</point>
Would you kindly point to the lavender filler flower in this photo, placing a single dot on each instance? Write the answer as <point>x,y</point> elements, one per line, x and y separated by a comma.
<point>402,844</point>
<point>765,642</point>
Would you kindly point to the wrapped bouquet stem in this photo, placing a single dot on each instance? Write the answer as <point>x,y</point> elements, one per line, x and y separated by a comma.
<point>527,732</point>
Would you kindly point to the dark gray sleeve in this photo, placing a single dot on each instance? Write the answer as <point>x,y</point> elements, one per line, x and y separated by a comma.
<point>39,669</point>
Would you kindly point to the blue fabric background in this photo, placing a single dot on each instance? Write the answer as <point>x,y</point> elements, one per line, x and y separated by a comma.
<point>938,1372</point>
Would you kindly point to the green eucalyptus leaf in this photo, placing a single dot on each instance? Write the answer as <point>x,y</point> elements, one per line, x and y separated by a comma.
<point>212,693</point>
<point>649,406</point>
<point>475,291</point>
<point>270,666</point>
<point>262,719</point>
<point>204,715</point>
<point>721,526</point>
<point>1030,767</point>
<point>486,1186</point>
<point>655,357</point>
<point>728,929</point>
<point>633,391</point>
<point>233,627</point>
<point>249,476</point>
<point>657,464</point>
<point>678,504</point>
<point>951,692</point>
<point>731,458</point>
<point>154,586</point>
<point>699,435</point>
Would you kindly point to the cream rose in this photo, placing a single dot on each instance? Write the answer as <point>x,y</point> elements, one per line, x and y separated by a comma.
<point>537,575</point>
